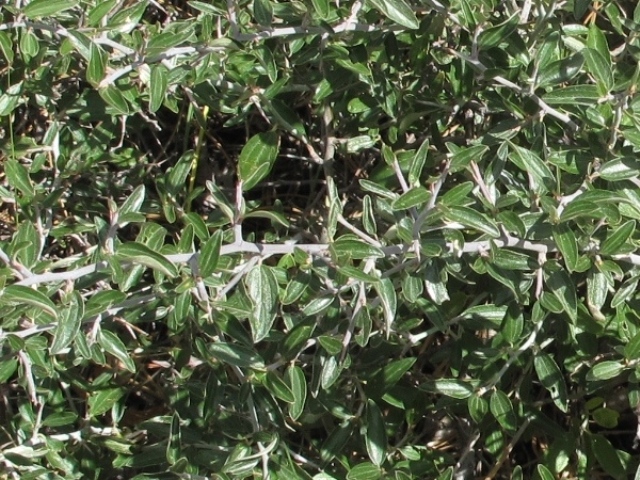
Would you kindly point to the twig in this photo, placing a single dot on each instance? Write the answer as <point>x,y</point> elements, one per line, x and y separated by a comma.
<point>131,302</point>
<point>477,176</point>
<point>320,250</point>
<point>19,270</point>
<point>28,376</point>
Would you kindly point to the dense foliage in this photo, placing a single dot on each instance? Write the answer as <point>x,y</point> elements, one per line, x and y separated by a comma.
<point>319,239</point>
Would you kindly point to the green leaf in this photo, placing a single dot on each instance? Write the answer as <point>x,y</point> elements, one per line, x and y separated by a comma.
<point>632,348</point>
<point>574,95</point>
<point>263,12</point>
<point>607,457</point>
<point>8,368</point>
<point>471,218</point>
<point>620,169</point>
<point>605,370</point>
<point>512,260</point>
<point>113,345</point>
<point>562,287</point>
<point>435,286</point>
<point>385,378</point>
<point>507,278</point>
<point>100,11</point>
<point>6,46</point>
<point>257,158</point>
<point>199,227</point>
<point>398,11</point>
<point>21,295</point>
<point>126,19</point>
<point>173,445</point>
<point>346,247</point>
<point>378,189</point>
<point>210,254</point>
<point>158,81</point>
<point>413,198</point>
<point>597,41</point>
<point>502,410</point>
<point>531,163</point>
<point>298,385</point>
<point>115,99</point>
<point>376,435</point>
<point>412,288</point>
<point>141,254</point>
<point>551,378</point>
<point>336,441</point>
<point>624,292</point>
<point>417,163</point>
<point>262,289</point>
<point>322,8</point>
<point>513,324</point>
<point>27,244</point>
<point>317,305</point>
<point>47,8</point>
<point>356,273</point>
<point>512,222</point>
<point>567,244</point>
<point>295,288</point>
<point>29,44</point>
<point>462,156</point>
<point>606,417</point>
<point>235,355</point>
<point>18,177</point>
<point>360,142</point>
<point>102,401</point>
<point>68,324</point>
<point>97,64</point>
<point>458,195</point>
<point>600,68</point>
<point>618,238</point>
<point>561,71</point>
<point>596,289</point>
<point>451,387</point>
<point>279,388</point>
<point>543,473</point>
<point>60,419</point>
<point>330,372</point>
<point>491,315</point>
<point>287,118</point>
<point>133,203</point>
<point>179,173</point>
<point>363,471</point>
<point>498,34</point>
<point>478,408</point>
<point>580,208</point>
<point>389,299</point>
<point>447,474</point>
<point>332,345</point>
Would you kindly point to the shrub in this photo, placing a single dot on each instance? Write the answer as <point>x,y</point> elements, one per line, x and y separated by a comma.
<point>328,240</point>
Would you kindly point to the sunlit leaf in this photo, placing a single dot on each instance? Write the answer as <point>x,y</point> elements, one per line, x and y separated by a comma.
<point>112,344</point>
<point>398,11</point>
<point>143,255</point>
<point>46,8</point>
<point>262,290</point>
<point>257,158</point>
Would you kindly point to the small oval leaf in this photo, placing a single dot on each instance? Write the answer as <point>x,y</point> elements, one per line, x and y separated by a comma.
<point>257,158</point>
